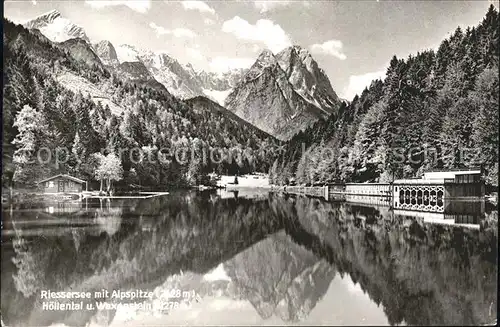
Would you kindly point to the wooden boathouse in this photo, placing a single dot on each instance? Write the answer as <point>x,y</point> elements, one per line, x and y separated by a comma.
<point>425,194</point>
<point>433,188</point>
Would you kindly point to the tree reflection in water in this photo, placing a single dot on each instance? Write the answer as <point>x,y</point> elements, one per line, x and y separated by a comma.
<point>280,254</point>
<point>421,273</point>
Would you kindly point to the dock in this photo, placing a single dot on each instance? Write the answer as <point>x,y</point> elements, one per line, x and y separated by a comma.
<point>143,195</point>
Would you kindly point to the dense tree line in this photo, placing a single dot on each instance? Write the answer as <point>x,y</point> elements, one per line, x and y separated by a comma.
<point>436,109</point>
<point>41,114</point>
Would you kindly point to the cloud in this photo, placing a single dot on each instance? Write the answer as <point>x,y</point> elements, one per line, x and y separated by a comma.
<point>265,6</point>
<point>272,35</point>
<point>222,64</point>
<point>208,21</point>
<point>198,5</point>
<point>195,53</point>
<point>159,30</point>
<point>141,6</point>
<point>357,83</point>
<point>332,48</point>
<point>177,32</point>
<point>183,32</point>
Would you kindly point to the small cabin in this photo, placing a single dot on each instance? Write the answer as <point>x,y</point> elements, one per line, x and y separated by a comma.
<point>62,184</point>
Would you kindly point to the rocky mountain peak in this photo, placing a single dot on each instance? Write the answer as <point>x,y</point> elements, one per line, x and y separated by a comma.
<point>303,53</point>
<point>166,61</point>
<point>307,78</point>
<point>53,13</point>
<point>56,28</point>
<point>46,18</point>
<point>106,52</point>
<point>283,93</point>
<point>295,57</point>
<point>296,49</point>
<point>266,58</point>
<point>182,81</point>
<point>190,69</point>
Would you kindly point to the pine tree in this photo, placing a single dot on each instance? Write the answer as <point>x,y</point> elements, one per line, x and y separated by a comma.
<point>485,126</point>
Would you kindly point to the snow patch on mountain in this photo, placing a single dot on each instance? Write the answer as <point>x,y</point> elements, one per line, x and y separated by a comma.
<point>56,28</point>
<point>127,53</point>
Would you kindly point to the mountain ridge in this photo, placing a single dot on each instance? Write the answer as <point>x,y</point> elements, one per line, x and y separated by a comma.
<point>183,81</point>
<point>279,96</point>
<point>180,80</point>
<point>56,27</point>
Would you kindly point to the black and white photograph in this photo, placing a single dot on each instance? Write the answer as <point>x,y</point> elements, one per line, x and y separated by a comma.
<point>249,163</point>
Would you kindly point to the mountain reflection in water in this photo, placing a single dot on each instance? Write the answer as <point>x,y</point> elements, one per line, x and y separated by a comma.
<point>254,259</point>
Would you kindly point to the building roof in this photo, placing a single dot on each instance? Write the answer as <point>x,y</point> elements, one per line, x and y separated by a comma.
<point>437,177</point>
<point>81,181</point>
<point>455,172</point>
<point>449,174</point>
<point>423,181</point>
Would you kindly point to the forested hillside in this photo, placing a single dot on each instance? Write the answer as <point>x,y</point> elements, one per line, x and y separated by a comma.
<point>435,109</point>
<point>45,112</point>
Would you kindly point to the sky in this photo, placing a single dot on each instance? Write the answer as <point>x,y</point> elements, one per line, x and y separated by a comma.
<point>352,41</point>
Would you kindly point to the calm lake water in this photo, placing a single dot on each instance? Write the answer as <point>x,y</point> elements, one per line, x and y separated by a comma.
<point>212,258</point>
